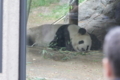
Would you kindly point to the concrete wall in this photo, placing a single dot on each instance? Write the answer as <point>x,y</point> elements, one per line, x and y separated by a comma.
<point>10,40</point>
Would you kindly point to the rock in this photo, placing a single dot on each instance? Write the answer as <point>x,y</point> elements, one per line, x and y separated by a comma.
<point>99,17</point>
<point>117,13</point>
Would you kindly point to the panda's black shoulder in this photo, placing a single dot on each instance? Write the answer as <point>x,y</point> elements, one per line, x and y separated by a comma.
<point>62,28</point>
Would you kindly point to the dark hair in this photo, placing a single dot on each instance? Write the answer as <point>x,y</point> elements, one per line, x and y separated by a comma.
<point>112,49</point>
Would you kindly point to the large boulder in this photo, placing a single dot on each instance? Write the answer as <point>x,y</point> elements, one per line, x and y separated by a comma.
<point>98,16</point>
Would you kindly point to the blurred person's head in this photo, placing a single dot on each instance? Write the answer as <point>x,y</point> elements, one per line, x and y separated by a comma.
<point>111,50</point>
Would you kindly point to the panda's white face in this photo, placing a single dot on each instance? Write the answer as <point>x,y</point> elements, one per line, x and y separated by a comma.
<point>80,39</point>
<point>81,42</point>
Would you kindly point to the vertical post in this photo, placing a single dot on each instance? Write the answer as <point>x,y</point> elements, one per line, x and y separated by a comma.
<point>1,29</point>
<point>22,40</point>
<point>73,12</point>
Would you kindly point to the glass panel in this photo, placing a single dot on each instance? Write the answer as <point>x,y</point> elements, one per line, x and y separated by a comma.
<point>63,42</point>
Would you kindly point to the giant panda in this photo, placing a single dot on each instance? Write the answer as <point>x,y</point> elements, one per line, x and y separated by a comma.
<point>70,36</point>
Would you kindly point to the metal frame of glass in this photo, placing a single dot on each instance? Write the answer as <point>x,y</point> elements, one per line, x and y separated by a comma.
<point>22,40</point>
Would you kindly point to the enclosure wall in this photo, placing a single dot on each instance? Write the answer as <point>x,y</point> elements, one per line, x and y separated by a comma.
<point>10,40</point>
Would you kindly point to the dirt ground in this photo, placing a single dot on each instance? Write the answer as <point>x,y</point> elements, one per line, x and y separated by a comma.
<point>85,66</point>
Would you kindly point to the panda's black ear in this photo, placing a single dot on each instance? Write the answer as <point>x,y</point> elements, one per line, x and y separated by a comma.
<point>82,31</point>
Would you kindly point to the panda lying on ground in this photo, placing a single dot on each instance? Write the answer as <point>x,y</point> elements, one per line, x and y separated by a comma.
<point>72,37</point>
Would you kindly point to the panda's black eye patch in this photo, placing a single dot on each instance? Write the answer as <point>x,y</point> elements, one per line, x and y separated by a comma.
<point>81,42</point>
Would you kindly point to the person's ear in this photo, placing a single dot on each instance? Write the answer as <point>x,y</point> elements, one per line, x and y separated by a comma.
<point>107,70</point>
